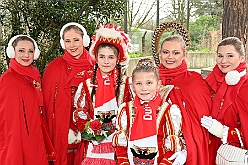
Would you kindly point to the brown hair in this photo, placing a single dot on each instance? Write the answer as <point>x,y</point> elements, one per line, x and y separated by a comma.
<point>239,47</point>
<point>118,66</point>
<point>72,27</point>
<point>106,45</point>
<point>176,38</point>
<point>22,38</point>
<point>145,65</point>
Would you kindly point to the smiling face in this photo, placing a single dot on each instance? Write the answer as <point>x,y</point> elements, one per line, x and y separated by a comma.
<point>106,59</point>
<point>172,54</point>
<point>24,52</point>
<point>228,58</point>
<point>145,85</point>
<point>74,42</point>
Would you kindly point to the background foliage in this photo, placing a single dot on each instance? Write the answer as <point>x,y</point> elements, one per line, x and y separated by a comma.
<point>43,20</point>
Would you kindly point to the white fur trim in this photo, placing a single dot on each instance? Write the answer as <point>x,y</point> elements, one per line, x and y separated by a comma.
<point>122,139</point>
<point>86,38</point>
<point>79,136</point>
<point>233,77</point>
<point>106,33</point>
<point>127,59</point>
<point>71,137</point>
<point>216,129</point>
<point>176,117</point>
<point>124,121</point>
<point>110,33</point>
<point>11,51</point>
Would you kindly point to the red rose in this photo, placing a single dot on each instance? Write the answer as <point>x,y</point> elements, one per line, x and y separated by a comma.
<point>96,125</point>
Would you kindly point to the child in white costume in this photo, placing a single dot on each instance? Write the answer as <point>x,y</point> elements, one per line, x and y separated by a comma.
<point>100,96</point>
<point>149,128</point>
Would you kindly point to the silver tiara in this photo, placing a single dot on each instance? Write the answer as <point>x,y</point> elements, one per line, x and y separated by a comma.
<point>145,63</point>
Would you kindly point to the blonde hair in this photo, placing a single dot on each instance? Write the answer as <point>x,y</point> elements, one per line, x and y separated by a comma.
<point>145,65</point>
<point>176,38</point>
<point>74,27</point>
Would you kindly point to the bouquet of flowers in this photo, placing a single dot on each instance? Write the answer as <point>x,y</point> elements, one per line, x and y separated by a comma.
<point>96,130</point>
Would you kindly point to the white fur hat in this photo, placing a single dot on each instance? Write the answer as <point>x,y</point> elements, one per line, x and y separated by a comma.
<point>86,38</point>
<point>112,35</point>
<point>10,50</point>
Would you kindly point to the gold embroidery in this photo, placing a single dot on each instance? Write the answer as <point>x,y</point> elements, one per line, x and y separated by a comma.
<point>233,132</point>
<point>80,73</point>
<point>37,85</point>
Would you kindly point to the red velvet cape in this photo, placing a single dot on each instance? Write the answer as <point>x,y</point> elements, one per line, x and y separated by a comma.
<point>57,107</point>
<point>235,115</point>
<point>190,89</point>
<point>21,138</point>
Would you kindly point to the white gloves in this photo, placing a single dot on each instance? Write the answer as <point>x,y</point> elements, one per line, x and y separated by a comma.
<point>73,137</point>
<point>213,126</point>
<point>180,157</point>
<point>207,122</point>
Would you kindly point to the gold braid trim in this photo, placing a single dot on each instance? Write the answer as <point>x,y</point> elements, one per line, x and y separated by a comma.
<point>122,157</point>
<point>124,163</point>
<point>167,160</point>
<point>159,31</point>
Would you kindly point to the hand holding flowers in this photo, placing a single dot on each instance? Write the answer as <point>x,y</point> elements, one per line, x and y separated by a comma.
<point>96,130</point>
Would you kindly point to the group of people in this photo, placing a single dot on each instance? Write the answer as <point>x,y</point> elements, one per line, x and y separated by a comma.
<point>159,115</point>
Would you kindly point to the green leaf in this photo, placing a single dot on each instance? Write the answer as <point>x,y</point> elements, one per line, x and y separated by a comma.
<point>87,136</point>
<point>99,138</point>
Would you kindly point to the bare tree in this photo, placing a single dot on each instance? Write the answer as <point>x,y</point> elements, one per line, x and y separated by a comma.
<point>141,13</point>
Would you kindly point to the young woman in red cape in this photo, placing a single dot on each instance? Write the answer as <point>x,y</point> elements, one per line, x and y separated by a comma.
<point>190,93</point>
<point>229,86</point>
<point>60,81</point>
<point>149,128</point>
<point>23,135</point>
<point>99,97</point>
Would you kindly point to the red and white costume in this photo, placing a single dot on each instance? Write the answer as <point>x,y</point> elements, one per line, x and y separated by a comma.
<point>192,95</point>
<point>103,102</point>
<point>229,107</point>
<point>148,132</point>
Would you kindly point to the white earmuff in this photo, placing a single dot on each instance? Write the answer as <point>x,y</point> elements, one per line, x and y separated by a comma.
<point>10,51</point>
<point>86,38</point>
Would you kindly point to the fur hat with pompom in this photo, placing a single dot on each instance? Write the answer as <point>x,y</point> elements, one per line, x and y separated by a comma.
<point>111,34</point>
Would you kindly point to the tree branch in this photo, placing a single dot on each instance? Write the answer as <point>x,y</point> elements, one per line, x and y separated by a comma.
<point>56,41</point>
